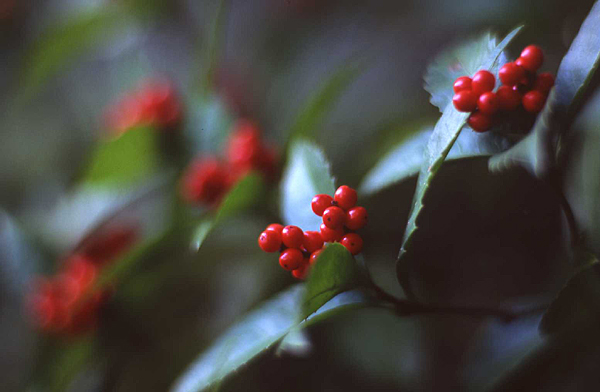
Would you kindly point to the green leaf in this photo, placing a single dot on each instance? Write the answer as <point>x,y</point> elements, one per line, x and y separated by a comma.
<point>537,151</point>
<point>444,135</point>
<point>335,272</point>
<point>306,175</point>
<point>405,159</point>
<point>245,193</point>
<point>132,157</point>
<point>256,333</point>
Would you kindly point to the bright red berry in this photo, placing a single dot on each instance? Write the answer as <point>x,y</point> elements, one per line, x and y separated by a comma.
<point>205,181</point>
<point>462,83</point>
<point>312,241</point>
<point>488,103</point>
<point>292,237</point>
<point>483,81</point>
<point>532,58</point>
<point>291,259</point>
<point>508,99</point>
<point>334,217</point>
<point>544,82</point>
<point>465,101</point>
<point>320,203</point>
<point>270,241</point>
<point>356,218</point>
<point>275,227</point>
<point>345,197</point>
<point>302,271</point>
<point>511,74</point>
<point>480,122</point>
<point>331,235</point>
<point>352,242</point>
<point>534,101</point>
<point>313,256</point>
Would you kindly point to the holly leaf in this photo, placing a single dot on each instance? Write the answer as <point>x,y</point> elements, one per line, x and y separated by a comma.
<point>256,333</point>
<point>444,135</point>
<point>537,151</point>
<point>404,161</point>
<point>306,175</point>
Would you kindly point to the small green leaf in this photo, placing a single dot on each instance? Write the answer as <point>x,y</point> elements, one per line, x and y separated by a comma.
<point>405,159</point>
<point>334,272</point>
<point>256,333</point>
<point>444,135</point>
<point>306,175</point>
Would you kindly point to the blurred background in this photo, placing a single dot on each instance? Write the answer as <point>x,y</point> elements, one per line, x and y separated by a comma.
<point>63,63</point>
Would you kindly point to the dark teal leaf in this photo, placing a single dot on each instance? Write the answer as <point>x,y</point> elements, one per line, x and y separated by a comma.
<point>256,333</point>
<point>444,135</point>
<point>306,175</point>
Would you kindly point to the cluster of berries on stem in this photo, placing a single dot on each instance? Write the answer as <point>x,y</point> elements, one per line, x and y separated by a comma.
<point>208,178</point>
<point>299,250</point>
<point>521,88</point>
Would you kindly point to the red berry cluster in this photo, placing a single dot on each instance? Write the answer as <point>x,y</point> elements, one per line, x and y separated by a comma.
<point>207,179</point>
<point>153,102</point>
<point>520,86</point>
<point>68,303</point>
<point>299,250</point>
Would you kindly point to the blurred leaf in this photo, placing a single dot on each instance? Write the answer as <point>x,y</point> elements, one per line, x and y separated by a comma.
<point>334,272</point>
<point>130,158</point>
<point>537,152</point>
<point>323,100</point>
<point>245,193</point>
<point>406,158</point>
<point>256,333</point>
<point>306,175</point>
<point>213,44</point>
<point>444,135</point>
<point>578,301</point>
<point>209,125</point>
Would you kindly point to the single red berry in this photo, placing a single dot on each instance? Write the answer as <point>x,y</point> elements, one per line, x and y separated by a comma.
<point>275,227</point>
<point>462,83</point>
<point>292,237</point>
<point>511,74</point>
<point>334,217</point>
<point>356,218</point>
<point>534,101</point>
<point>519,62</point>
<point>313,256</point>
<point>352,242</point>
<point>331,235</point>
<point>544,82</point>
<point>269,241</point>
<point>465,101</point>
<point>532,58</point>
<point>508,99</point>
<point>205,181</point>
<point>320,203</point>
<point>480,122</point>
<point>290,259</point>
<point>312,241</point>
<point>483,81</point>
<point>302,271</point>
<point>488,103</point>
<point>345,197</point>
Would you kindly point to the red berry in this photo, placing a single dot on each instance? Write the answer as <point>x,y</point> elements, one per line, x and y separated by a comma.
<point>488,103</point>
<point>356,218</point>
<point>511,74</point>
<point>292,237</point>
<point>331,235</point>
<point>313,256</point>
<point>465,101</point>
<point>519,62</point>
<point>302,271</point>
<point>269,241</point>
<point>320,203</point>
<point>106,246</point>
<point>291,259</point>
<point>205,181</point>
<point>508,99</point>
<point>345,197</point>
<point>312,241</point>
<point>534,101</point>
<point>483,81</point>
<point>462,83</point>
<point>532,58</point>
<point>480,122</point>
<point>334,217</point>
<point>275,227</point>
<point>544,82</point>
<point>352,242</point>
